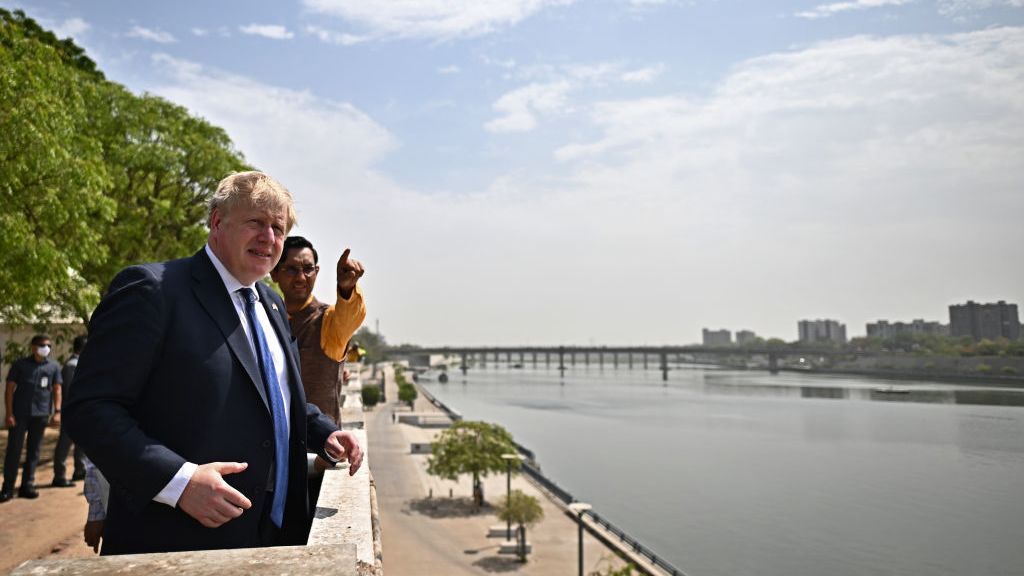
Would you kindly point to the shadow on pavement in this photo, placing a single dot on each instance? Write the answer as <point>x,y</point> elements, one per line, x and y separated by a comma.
<point>449,507</point>
<point>498,564</point>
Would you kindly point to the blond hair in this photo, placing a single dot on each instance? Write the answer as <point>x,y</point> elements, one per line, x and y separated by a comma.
<point>254,189</point>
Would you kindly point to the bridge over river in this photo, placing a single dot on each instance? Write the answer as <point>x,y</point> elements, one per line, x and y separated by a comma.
<point>629,355</point>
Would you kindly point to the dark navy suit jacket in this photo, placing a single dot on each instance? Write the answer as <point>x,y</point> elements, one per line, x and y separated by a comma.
<point>168,376</point>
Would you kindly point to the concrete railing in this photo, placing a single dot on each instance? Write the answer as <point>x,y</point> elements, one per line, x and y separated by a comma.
<point>344,539</point>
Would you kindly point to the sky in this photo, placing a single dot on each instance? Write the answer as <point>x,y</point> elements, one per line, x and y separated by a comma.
<point>549,172</point>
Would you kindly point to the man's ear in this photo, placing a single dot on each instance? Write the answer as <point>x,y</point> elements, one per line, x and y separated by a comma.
<point>215,219</point>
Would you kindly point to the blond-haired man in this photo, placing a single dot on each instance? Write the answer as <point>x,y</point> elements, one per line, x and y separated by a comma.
<point>189,396</point>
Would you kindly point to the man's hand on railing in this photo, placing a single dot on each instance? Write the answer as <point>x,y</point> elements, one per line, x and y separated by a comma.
<point>343,445</point>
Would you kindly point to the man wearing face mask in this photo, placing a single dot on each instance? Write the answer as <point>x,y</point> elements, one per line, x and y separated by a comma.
<point>32,383</point>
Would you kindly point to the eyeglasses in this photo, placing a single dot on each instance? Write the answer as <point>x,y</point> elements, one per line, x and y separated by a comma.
<point>293,271</point>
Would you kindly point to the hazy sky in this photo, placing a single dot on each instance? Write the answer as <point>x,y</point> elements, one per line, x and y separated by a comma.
<point>560,172</point>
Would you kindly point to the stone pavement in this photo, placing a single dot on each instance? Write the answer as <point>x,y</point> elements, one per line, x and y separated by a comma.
<point>447,535</point>
<point>47,527</point>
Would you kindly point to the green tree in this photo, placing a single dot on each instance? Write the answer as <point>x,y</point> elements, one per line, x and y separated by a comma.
<point>163,165</point>
<point>523,510</point>
<point>53,175</point>
<point>94,177</point>
<point>407,393</point>
<point>373,342</point>
<point>371,395</point>
<point>469,447</point>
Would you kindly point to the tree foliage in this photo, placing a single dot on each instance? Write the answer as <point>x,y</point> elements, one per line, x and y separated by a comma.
<point>94,177</point>
<point>407,393</point>
<point>470,448</point>
<point>523,510</point>
<point>370,395</point>
<point>372,342</point>
<point>520,508</point>
<point>52,177</point>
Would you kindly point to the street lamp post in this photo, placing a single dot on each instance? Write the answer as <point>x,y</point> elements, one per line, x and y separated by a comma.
<point>509,458</point>
<point>579,508</point>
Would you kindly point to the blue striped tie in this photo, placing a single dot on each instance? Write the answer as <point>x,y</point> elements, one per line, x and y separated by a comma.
<point>277,407</point>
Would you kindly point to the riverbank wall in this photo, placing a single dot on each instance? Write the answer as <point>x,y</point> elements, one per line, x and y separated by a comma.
<point>979,370</point>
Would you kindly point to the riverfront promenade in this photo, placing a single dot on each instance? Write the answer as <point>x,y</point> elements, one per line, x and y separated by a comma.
<point>442,535</point>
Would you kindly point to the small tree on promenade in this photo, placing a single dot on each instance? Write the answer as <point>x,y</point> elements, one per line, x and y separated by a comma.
<point>407,393</point>
<point>371,395</point>
<point>470,448</point>
<point>524,510</point>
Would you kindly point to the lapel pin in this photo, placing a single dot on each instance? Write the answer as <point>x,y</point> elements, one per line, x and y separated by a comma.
<point>274,306</point>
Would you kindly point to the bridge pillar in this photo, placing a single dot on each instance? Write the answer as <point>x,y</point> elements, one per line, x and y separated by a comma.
<point>615,359</point>
<point>534,359</point>
<point>773,363</point>
<point>465,363</point>
<point>629,359</point>
<point>572,358</point>
<point>521,356</point>
<point>508,357</point>
<point>664,366</point>
<point>645,360</point>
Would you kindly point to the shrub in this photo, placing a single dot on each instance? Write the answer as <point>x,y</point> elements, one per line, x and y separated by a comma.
<point>1009,370</point>
<point>371,396</point>
<point>407,393</point>
<point>983,368</point>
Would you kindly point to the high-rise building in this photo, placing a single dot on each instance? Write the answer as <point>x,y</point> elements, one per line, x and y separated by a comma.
<point>886,329</point>
<point>717,337</point>
<point>745,336</point>
<point>821,331</point>
<point>980,321</point>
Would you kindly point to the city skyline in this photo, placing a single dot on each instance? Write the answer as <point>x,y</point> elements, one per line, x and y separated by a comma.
<point>627,172</point>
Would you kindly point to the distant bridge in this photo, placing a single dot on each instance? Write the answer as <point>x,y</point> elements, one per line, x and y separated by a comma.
<point>642,354</point>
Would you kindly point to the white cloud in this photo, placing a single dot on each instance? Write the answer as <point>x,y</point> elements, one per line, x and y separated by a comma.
<point>962,9</point>
<point>826,10</point>
<point>272,31</point>
<point>71,28</point>
<point>434,19</point>
<point>643,75</point>
<point>450,69</point>
<point>519,108</point>
<point>201,32</point>
<point>158,36</point>
<point>333,37</point>
<point>550,87</point>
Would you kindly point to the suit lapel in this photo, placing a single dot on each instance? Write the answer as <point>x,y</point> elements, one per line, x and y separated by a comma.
<point>214,298</point>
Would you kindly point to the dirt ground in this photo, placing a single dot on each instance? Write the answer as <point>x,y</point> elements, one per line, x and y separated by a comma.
<point>49,526</point>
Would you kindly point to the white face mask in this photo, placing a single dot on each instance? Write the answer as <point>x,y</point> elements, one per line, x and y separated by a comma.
<point>43,351</point>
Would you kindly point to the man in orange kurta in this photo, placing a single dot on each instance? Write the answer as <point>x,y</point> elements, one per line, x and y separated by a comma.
<point>322,330</point>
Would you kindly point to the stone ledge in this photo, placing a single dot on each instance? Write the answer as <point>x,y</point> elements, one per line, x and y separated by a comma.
<point>343,510</point>
<point>336,558</point>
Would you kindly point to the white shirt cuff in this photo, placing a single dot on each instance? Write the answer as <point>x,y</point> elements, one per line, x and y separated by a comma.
<point>172,492</point>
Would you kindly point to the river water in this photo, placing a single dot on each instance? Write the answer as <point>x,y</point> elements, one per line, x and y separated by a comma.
<point>728,472</point>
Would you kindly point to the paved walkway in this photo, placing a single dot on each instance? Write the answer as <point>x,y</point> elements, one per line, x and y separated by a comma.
<point>49,526</point>
<point>447,535</point>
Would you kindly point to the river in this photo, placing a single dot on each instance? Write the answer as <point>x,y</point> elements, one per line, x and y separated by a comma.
<point>728,473</point>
